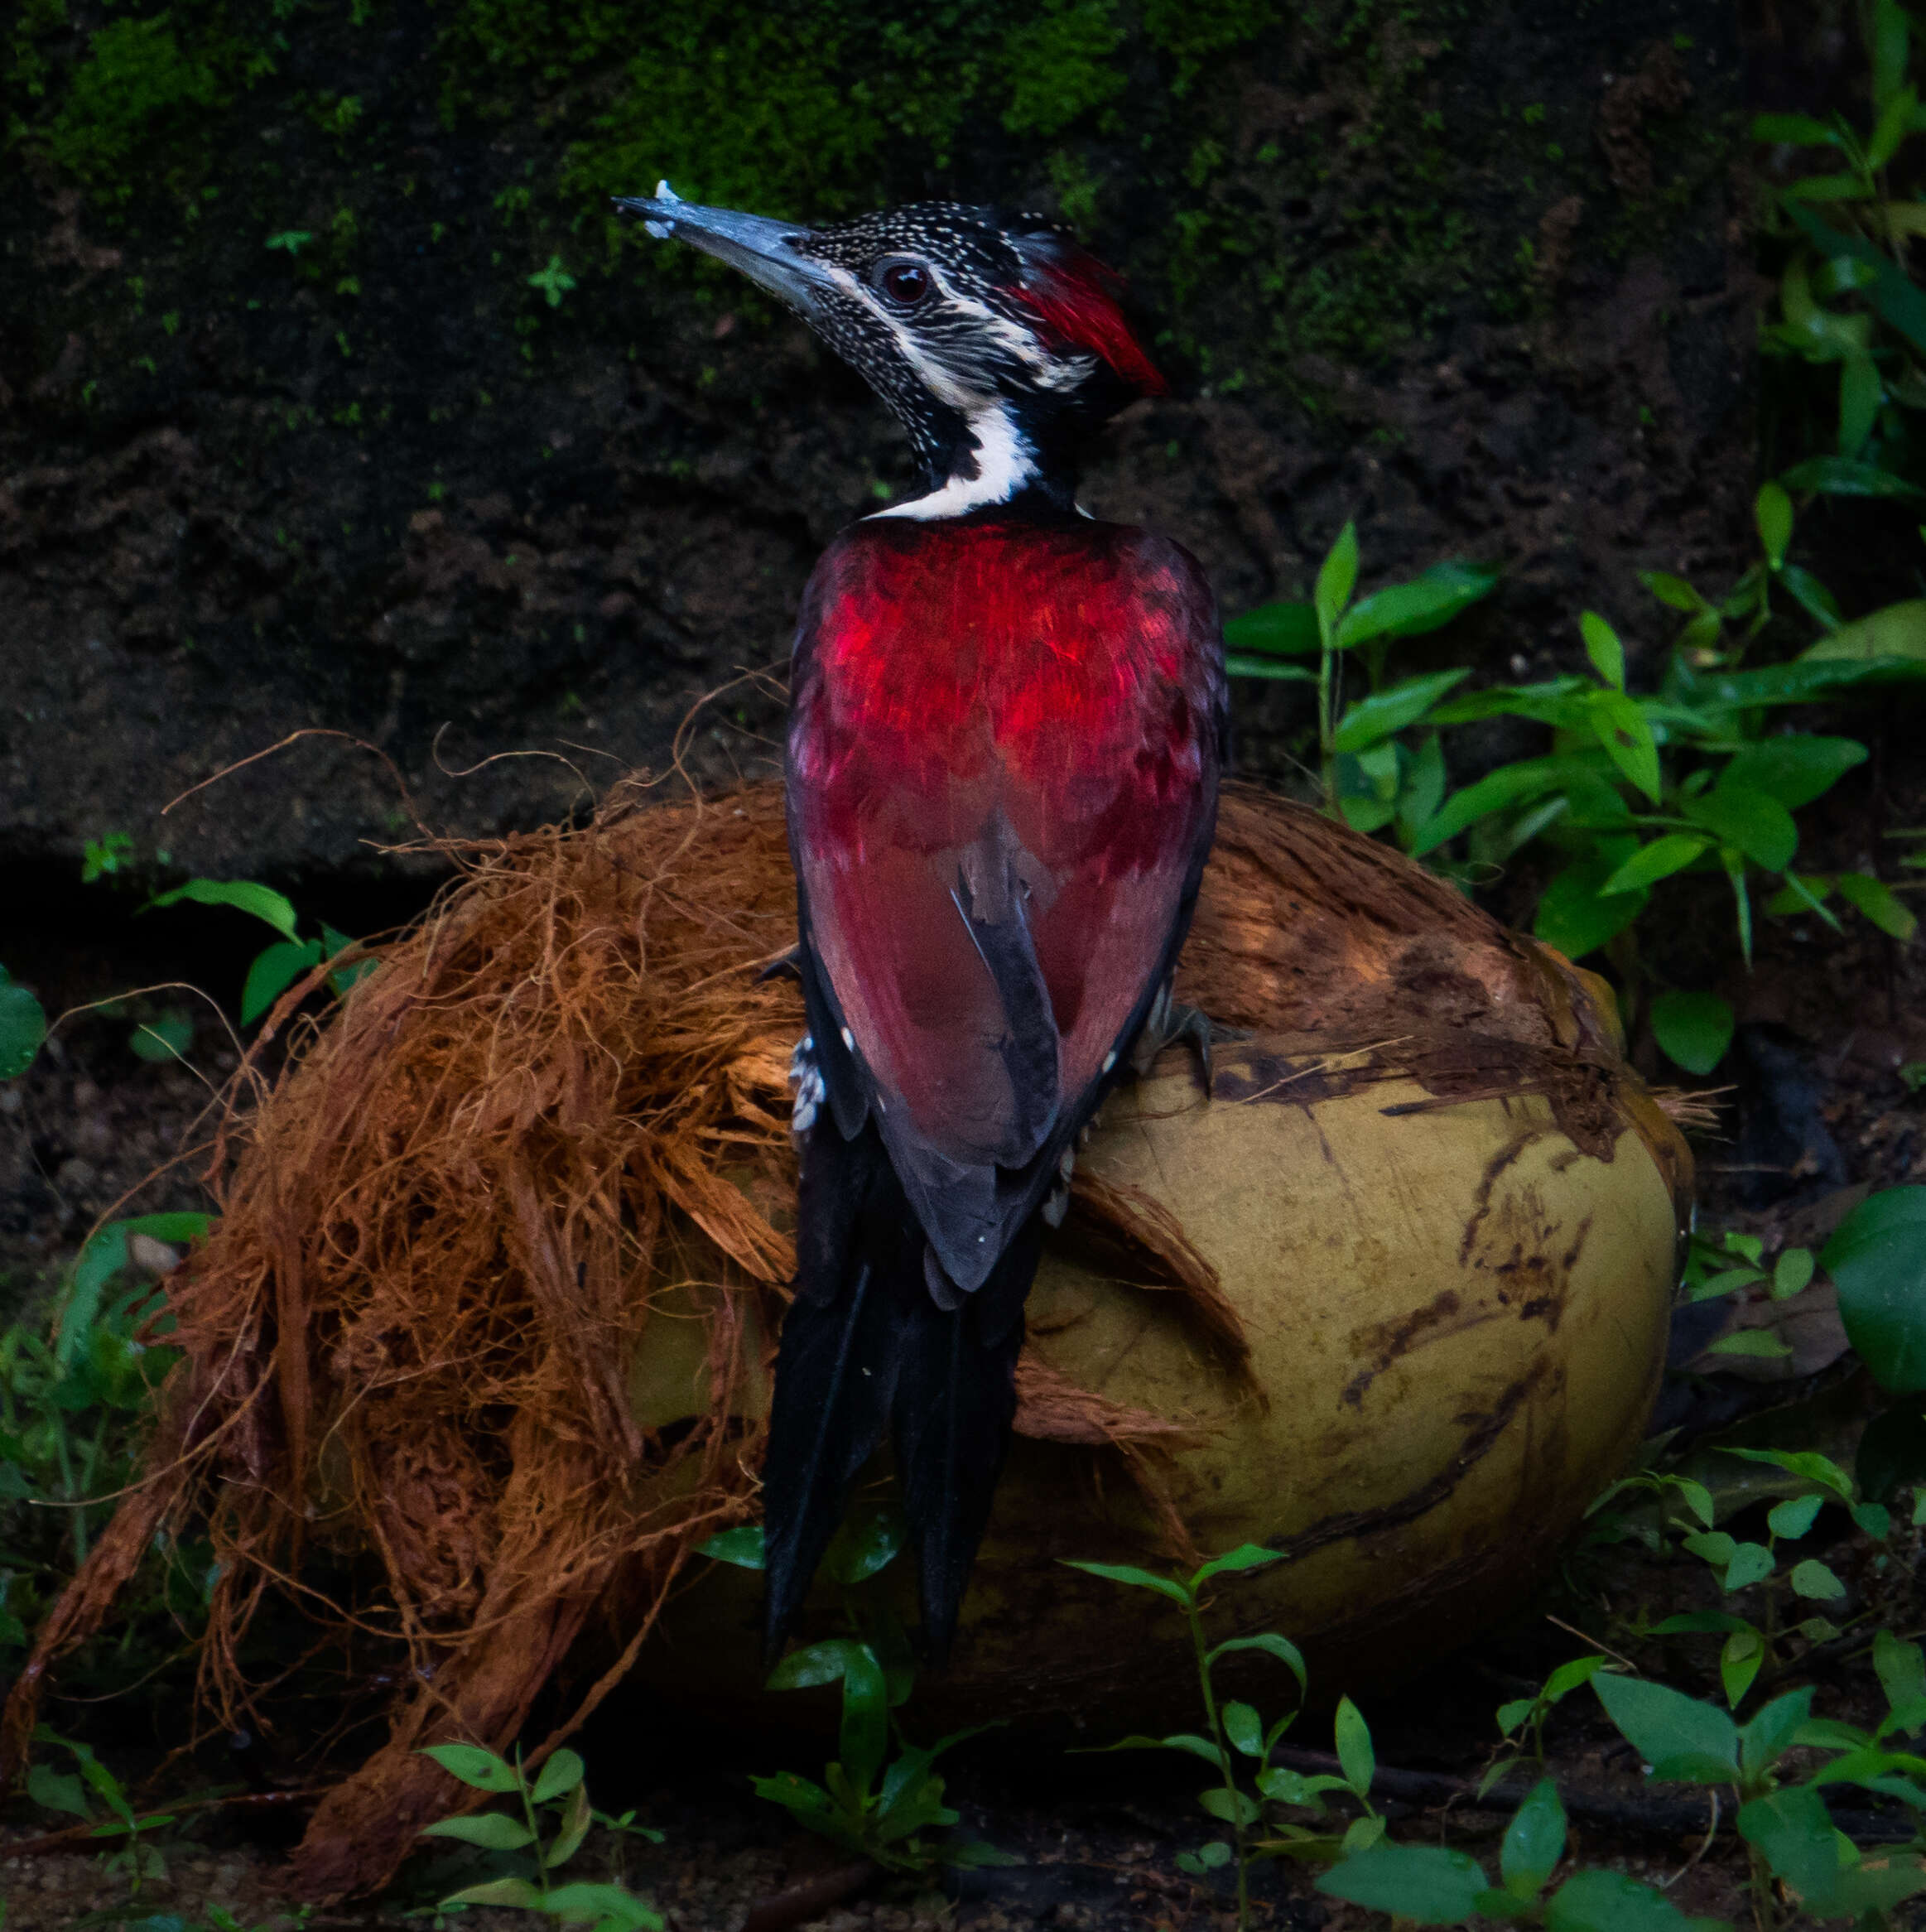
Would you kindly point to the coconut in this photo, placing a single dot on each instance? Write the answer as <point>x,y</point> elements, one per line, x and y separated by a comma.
<point>487,1316</point>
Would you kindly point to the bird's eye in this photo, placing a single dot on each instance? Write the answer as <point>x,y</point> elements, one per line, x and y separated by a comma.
<point>906,283</point>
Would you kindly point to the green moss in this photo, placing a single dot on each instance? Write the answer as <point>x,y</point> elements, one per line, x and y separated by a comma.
<point>1059,66</point>
<point>135,87</point>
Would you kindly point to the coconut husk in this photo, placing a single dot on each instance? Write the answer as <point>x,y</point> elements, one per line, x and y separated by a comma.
<point>554,1116</point>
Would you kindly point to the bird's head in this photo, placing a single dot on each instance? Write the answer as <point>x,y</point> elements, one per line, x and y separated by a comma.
<point>995,339</point>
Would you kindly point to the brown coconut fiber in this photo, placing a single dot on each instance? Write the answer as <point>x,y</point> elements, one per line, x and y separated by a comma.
<point>446,1231</point>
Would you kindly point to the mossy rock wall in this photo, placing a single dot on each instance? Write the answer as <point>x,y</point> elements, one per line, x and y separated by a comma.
<point>331,396</point>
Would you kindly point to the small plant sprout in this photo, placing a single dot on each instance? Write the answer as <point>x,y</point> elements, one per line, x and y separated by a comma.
<point>554,281</point>
<point>1239,1744</point>
<point>276,968</point>
<point>873,1805</point>
<point>541,1831</point>
<point>93,1793</point>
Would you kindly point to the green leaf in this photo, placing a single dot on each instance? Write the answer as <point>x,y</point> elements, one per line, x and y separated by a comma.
<point>1797,130</point>
<point>1511,1715</point>
<point>1792,1273</point>
<point>1534,1841</point>
<point>1750,1563</point>
<point>1430,599</point>
<point>1275,630</point>
<point>1792,1518</point>
<point>610,1908</point>
<point>1233,1807</point>
<point>1603,647</point>
<point>1559,702</point>
<point>866,1544</point>
<point>1247,1556</point>
<point>1372,719</point>
<point>1761,1342</point>
<point>1336,579</point>
<point>1212,1857</point>
<point>1820,673</point>
<point>1841,476</point>
<point>1673,590</point>
<point>1861,393</point>
<point>492,1831</point>
<point>497,1892</point>
<point>559,1774</point>
<point>1238,665</point>
<point>1621,727</point>
<point>1289,1787</point>
<point>742,1546</point>
<point>1245,1729</point>
<point>1812,597</point>
<point>1121,1573</point>
<point>274,970</point>
<point>474,1765</point>
<point>103,1256</point>
<point>245,895</point>
<point>1355,1755</point>
<point>576,1818</point>
<point>1740,1657</point>
<point>1681,1738</point>
<point>1187,1742</point>
<point>815,1664</point>
<point>1902,1671</point>
<point>1895,119</point>
<point>1511,784</point>
<point>1569,1676</point>
<point>1573,914</point>
<point>23,1028</point>
<point>1772,513</point>
<point>57,1791</point>
<point>1795,1833</point>
<point>1753,821</point>
<point>1877,1260</point>
<point>1770,1733</point>
<point>1273,1645</point>
<point>1807,1463</point>
<point>1694,1029</point>
<point>1609,1901</point>
<point>1658,860</point>
<point>1425,1884</point>
<point>1794,769</point>
<point>1889,45</point>
<point>1897,632</point>
<point>1875,1518</point>
<point>1878,904</point>
<point>1812,1580</point>
<point>164,1039</point>
<point>1900,301</point>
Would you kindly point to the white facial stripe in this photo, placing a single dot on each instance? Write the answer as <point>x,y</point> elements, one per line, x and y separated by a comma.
<point>1004,463</point>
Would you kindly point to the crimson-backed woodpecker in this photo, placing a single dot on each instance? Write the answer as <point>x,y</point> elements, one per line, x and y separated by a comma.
<point>1006,733</point>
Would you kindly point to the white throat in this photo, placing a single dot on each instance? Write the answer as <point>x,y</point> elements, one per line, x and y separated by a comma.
<point>1004,463</point>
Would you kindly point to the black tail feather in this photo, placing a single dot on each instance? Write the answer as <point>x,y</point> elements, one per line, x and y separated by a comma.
<point>955,1398</point>
<point>837,1365</point>
<point>864,1344</point>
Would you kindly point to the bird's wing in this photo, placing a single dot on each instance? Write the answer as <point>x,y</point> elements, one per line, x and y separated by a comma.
<point>992,891</point>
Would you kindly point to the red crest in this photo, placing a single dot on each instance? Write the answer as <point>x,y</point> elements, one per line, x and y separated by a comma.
<point>1078,299</point>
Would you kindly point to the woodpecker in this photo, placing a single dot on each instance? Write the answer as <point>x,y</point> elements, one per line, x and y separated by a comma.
<point>1007,723</point>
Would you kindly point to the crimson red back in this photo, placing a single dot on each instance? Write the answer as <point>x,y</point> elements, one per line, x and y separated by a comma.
<point>978,700</point>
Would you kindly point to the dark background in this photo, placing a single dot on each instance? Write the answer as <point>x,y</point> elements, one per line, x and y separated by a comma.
<point>1478,275</point>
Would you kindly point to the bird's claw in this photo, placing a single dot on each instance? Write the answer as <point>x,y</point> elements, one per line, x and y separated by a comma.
<point>1171,1023</point>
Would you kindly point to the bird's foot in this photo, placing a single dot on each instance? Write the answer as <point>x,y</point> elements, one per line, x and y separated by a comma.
<point>786,964</point>
<point>1170,1022</point>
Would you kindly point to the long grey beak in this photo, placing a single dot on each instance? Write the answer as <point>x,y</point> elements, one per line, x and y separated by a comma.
<point>763,250</point>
